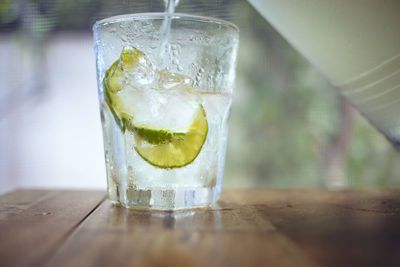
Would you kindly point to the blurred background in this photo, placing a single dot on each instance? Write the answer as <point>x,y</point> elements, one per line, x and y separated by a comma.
<point>289,127</point>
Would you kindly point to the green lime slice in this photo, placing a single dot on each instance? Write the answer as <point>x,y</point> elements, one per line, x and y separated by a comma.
<point>114,78</point>
<point>166,149</point>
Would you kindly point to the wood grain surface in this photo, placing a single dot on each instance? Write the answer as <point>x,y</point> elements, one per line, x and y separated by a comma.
<point>254,227</point>
<point>31,236</point>
<point>17,201</point>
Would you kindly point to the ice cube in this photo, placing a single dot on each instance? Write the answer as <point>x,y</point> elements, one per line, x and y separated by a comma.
<point>172,109</point>
<point>139,71</point>
<point>151,98</point>
<point>167,80</point>
<point>133,68</point>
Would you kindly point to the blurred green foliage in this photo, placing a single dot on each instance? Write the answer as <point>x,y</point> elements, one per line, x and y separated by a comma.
<point>289,127</point>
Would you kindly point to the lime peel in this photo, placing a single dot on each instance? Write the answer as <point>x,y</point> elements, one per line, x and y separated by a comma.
<point>182,148</point>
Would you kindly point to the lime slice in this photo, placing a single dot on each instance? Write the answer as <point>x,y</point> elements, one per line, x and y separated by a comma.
<point>115,78</point>
<point>165,149</point>
<point>108,95</point>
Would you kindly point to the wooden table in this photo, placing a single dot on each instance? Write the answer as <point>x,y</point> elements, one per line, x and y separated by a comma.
<point>257,227</point>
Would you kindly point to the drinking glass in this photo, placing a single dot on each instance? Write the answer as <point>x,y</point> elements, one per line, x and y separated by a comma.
<point>165,85</point>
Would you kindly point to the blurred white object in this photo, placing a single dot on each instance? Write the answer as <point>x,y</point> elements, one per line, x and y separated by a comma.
<point>355,44</point>
<point>56,141</point>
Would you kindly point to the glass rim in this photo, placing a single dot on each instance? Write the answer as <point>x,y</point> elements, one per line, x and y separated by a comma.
<point>161,15</point>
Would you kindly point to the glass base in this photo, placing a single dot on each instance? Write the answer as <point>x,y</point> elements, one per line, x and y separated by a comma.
<point>161,198</point>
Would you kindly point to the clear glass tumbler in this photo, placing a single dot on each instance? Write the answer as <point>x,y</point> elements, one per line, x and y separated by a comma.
<point>165,87</point>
